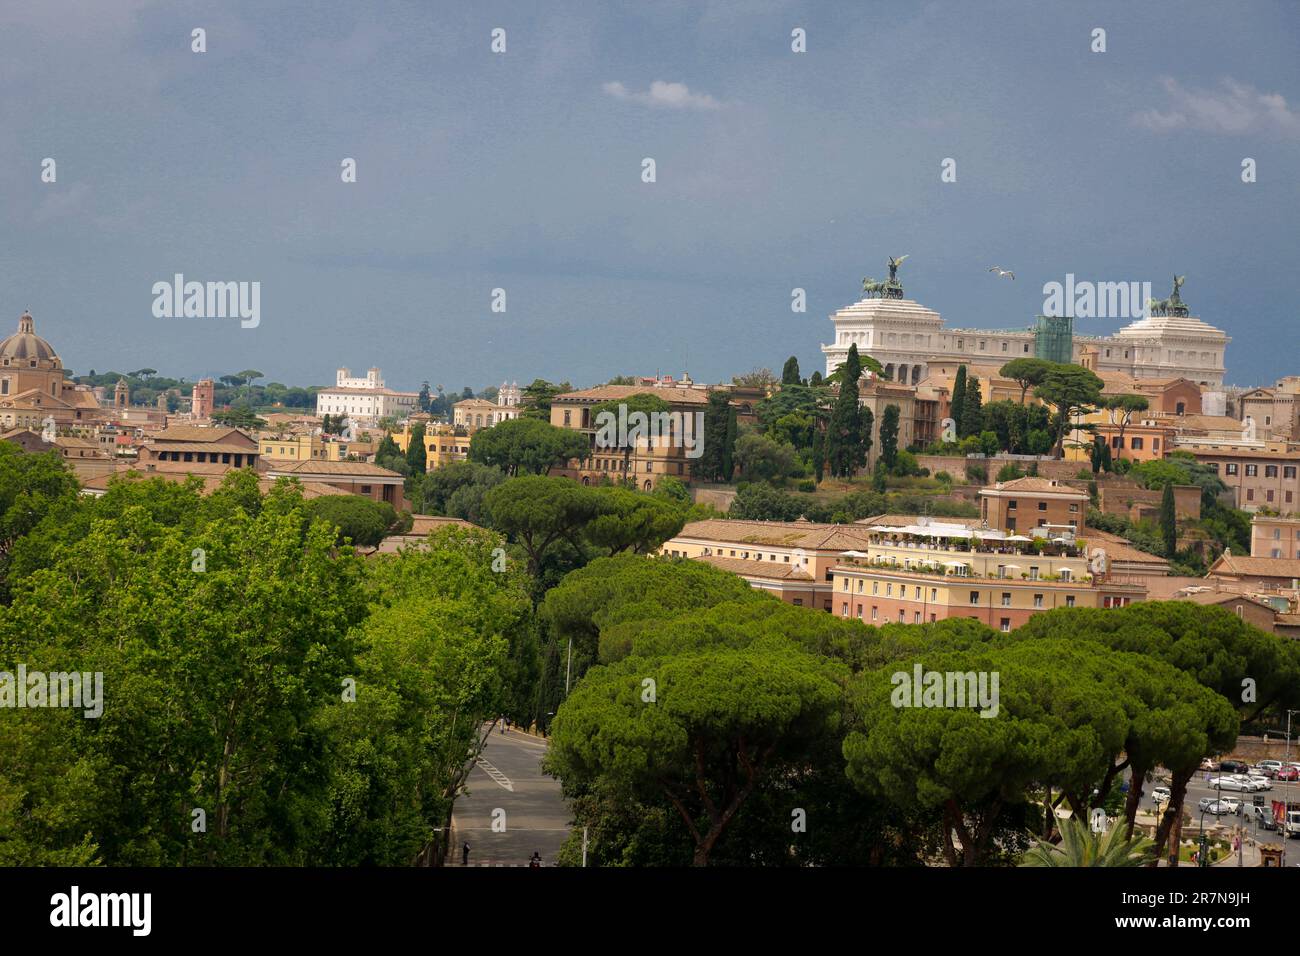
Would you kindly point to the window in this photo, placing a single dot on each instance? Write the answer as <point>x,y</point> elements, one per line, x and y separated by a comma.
<point>875,587</point>
<point>875,611</point>
<point>798,602</point>
<point>1069,600</point>
<point>1252,471</point>
<point>860,584</point>
<point>1270,471</point>
<point>934,592</point>
<point>1288,471</point>
<point>844,609</point>
<point>1033,572</point>
<point>859,610</point>
<point>1011,504</point>
<point>1006,599</point>
<point>889,590</point>
<point>1136,444</point>
<point>1042,506</point>
<point>974,597</point>
<point>1074,509</point>
<point>1006,624</point>
<point>1230,468</point>
<point>918,592</point>
<point>1038,600</point>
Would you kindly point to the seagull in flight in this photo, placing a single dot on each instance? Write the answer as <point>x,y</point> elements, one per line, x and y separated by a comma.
<point>1002,273</point>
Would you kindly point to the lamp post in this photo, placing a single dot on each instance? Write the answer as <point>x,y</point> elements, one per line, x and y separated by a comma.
<point>1286,790</point>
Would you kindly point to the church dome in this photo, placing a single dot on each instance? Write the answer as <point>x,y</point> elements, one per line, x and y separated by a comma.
<point>25,345</point>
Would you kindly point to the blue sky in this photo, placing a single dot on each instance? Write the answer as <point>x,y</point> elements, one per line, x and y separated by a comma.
<point>522,171</point>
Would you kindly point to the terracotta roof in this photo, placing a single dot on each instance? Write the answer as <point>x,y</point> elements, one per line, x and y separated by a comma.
<point>1257,567</point>
<point>1119,549</point>
<point>192,433</point>
<point>784,534</point>
<point>1033,485</point>
<point>1218,597</point>
<point>358,469</point>
<point>772,570</point>
<point>670,394</point>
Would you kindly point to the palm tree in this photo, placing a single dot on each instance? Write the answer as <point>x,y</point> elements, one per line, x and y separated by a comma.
<point>1080,846</point>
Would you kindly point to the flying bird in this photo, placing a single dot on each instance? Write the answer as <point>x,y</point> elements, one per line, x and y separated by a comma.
<point>1002,273</point>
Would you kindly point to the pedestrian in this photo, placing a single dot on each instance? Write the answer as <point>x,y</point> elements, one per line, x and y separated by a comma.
<point>464,854</point>
<point>535,860</point>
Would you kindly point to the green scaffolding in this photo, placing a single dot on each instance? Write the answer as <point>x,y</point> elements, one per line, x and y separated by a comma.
<point>1054,338</point>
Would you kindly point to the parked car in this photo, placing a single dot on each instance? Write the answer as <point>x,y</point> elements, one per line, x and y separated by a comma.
<point>1160,794</point>
<point>1262,782</point>
<point>1232,803</point>
<point>1233,766</point>
<point>1237,781</point>
<point>1210,805</point>
<point>1210,764</point>
<point>1287,773</point>
<point>1269,768</point>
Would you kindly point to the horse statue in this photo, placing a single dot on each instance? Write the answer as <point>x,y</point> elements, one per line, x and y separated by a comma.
<point>871,287</point>
<point>1157,306</point>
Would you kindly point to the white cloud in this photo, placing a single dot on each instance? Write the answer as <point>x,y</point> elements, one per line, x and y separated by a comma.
<point>1231,108</point>
<point>677,96</point>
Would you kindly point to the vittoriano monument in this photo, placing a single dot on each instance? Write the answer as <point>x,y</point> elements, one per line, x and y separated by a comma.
<point>891,288</point>
<point>1173,305</point>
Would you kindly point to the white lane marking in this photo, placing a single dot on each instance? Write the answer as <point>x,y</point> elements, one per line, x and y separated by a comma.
<point>501,779</point>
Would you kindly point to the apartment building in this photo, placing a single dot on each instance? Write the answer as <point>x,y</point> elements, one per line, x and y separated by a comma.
<point>790,559</point>
<point>1024,504</point>
<point>1261,475</point>
<point>648,460</point>
<point>1275,536</point>
<point>933,570</point>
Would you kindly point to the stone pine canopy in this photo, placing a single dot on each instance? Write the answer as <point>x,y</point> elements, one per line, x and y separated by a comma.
<point>25,345</point>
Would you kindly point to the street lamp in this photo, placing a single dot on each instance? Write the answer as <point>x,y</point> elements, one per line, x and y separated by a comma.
<point>1286,790</point>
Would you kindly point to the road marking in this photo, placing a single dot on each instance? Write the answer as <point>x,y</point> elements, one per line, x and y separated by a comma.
<point>501,779</point>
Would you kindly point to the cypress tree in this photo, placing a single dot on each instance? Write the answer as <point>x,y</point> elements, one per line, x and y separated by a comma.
<point>972,410</point>
<point>1169,520</point>
<point>729,446</point>
<point>889,436</point>
<point>790,373</point>
<point>844,432</point>
<point>958,399</point>
<point>415,453</point>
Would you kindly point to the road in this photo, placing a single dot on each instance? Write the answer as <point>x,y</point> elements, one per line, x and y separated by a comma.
<point>512,809</point>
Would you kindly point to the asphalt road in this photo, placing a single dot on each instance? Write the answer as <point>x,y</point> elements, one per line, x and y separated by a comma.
<point>512,809</point>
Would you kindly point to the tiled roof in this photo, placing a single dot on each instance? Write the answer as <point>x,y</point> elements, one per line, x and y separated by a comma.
<point>347,469</point>
<point>772,570</point>
<point>191,433</point>
<point>604,393</point>
<point>1261,567</point>
<point>1033,485</point>
<point>785,534</point>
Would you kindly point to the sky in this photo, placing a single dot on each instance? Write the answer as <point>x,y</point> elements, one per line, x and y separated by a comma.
<point>523,171</point>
